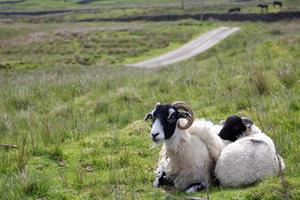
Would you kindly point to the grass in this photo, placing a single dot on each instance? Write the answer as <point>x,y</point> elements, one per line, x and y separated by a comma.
<point>78,122</point>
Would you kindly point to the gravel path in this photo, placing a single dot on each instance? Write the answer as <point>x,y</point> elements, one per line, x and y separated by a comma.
<point>192,48</point>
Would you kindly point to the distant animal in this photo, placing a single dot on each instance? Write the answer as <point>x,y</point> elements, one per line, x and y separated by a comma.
<point>234,10</point>
<point>277,3</point>
<point>263,7</point>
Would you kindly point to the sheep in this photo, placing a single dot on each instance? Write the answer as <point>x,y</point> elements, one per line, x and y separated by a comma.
<point>248,159</point>
<point>263,7</point>
<point>234,10</point>
<point>184,159</point>
<point>277,3</point>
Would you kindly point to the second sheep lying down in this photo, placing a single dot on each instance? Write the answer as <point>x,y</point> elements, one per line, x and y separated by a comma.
<point>249,158</point>
<point>247,155</point>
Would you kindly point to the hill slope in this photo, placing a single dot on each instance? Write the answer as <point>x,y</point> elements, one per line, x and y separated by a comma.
<point>76,113</point>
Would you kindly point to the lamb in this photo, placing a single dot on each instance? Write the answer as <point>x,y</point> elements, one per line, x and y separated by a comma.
<point>248,159</point>
<point>184,160</point>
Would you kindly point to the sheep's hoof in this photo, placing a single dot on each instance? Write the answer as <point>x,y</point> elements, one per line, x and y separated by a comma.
<point>161,179</point>
<point>195,187</point>
<point>156,184</point>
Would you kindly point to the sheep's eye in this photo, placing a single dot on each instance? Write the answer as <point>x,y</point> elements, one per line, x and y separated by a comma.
<point>148,116</point>
<point>184,115</point>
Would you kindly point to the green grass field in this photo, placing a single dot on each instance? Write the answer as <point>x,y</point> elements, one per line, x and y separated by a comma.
<point>76,113</point>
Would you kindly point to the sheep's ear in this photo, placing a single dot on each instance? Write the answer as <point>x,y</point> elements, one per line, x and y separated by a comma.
<point>247,121</point>
<point>222,122</point>
<point>148,116</point>
<point>184,115</point>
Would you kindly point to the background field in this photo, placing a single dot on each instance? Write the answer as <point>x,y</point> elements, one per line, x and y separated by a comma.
<point>76,113</point>
<point>124,8</point>
<point>80,4</point>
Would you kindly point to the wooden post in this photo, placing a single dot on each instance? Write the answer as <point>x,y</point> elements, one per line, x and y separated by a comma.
<point>182,4</point>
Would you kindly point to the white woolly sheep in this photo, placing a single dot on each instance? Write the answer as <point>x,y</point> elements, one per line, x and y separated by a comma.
<point>250,158</point>
<point>184,160</point>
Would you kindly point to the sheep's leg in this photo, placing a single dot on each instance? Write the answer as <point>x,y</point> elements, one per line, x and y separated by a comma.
<point>195,187</point>
<point>161,179</point>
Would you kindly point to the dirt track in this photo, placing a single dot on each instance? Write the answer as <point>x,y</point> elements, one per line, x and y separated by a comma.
<point>195,47</point>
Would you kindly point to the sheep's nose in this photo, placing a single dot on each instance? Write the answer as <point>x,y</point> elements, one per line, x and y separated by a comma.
<point>154,135</point>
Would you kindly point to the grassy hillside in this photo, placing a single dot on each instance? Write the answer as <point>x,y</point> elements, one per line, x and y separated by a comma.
<point>76,113</point>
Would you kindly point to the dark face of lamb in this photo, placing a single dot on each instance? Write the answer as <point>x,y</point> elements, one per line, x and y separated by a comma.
<point>234,127</point>
<point>164,119</point>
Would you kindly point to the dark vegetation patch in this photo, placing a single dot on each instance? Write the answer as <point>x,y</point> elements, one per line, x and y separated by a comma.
<point>268,17</point>
<point>85,1</point>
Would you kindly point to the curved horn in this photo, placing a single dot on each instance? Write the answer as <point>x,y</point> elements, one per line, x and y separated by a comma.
<point>190,118</point>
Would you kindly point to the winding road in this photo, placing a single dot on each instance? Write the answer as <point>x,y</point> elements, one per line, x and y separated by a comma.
<point>192,48</point>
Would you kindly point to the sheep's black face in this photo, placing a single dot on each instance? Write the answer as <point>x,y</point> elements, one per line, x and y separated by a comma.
<point>164,120</point>
<point>233,128</point>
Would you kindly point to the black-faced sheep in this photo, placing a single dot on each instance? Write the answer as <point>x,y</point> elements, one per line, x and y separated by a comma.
<point>234,10</point>
<point>277,3</point>
<point>263,7</point>
<point>184,159</point>
<point>250,157</point>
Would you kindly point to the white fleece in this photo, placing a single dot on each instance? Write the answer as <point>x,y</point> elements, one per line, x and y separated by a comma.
<point>185,157</point>
<point>248,160</point>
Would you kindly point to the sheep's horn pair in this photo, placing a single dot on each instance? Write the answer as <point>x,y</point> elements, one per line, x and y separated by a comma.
<point>190,116</point>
